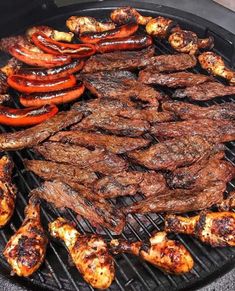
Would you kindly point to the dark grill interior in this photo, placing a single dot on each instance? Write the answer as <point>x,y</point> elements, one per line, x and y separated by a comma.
<point>57,273</point>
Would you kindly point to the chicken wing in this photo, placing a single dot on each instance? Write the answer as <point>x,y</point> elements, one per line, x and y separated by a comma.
<point>165,254</point>
<point>26,249</point>
<point>228,203</point>
<point>187,42</point>
<point>50,32</point>
<point>214,228</point>
<point>123,15</point>
<point>215,65</point>
<point>159,26</point>
<point>7,190</point>
<point>89,253</point>
<point>81,24</point>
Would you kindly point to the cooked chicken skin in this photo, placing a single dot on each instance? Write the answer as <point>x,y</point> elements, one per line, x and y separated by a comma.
<point>215,65</point>
<point>50,32</point>
<point>214,228</point>
<point>228,203</point>
<point>159,26</point>
<point>187,42</point>
<point>127,14</point>
<point>7,190</point>
<point>165,254</point>
<point>25,251</point>
<point>81,24</point>
<point>89,253</point>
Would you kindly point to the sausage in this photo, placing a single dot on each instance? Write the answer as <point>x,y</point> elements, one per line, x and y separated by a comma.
<point>49,45</point>
<point>58,97</point>
<point>53,73</point>
<point>128,43</point>
<point>36,58</point>
<point>27,116</point>
<point>118,32</point>
<point>25,85</point>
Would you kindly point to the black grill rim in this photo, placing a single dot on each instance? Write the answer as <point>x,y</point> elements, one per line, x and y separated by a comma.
<point>189,19</point>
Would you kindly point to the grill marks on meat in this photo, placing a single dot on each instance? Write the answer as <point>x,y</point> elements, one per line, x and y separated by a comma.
<point>122,109</point>
<point>167,63</point>
<point>36,134</point>
<point>134,60</point>
<point>112,143</point>
<point>217,130</point>
<point>113,124</point>
<point>98,213</point>
<point>173,80</point>
<point>129,183</point>
<point>190,111</point>
<point>180,200</point>
<point>121,85</point>
<point>118,60</point>
<point>200,173</point>
<point>170,154</point>
<point>97,160</point>
<point>205,91</point>
<point>55,171</point>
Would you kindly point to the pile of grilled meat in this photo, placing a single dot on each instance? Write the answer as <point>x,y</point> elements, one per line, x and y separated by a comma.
<point>128,139</point>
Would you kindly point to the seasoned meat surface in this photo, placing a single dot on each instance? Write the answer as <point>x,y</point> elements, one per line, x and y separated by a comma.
<point>113,124</point>
<point>212,169</point>
<point>218,130</point>
<point>34,135</point>
<point>26,249</point>
<point>168,255</point>
<point>112,143</point>
<point>214,228</point>
<point>89,253</point>
<point>170,154</point>
<point>98,213</point>
<point>118,60</point>
<point>191,111</point>
<point>56,171</point>
<point>205,91</point>
<point>180,200</point>
<point>121,85</point>
<point>173,80</point>
<point>123,109</point>
<point>129,183</point>
<point>167,63</point>
<point>97,160</point>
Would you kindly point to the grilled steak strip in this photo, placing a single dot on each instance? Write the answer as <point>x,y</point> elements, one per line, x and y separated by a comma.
<point>173,80</point>
<point>170,154</point>
<point>32,136</point>
<point>190,111</point>
<point>114,144</point>
<point>113,124</point>
<point>218,130</point>
<point>55,171</point>
<point>180,200</point>
<point>97,160</point>
<point>129,183</point>
<point>118,60</point>
<point>121,85</point>
<point>122,109</point>
<point>98,213</point>
<point>136,60</point>
<point>205,91</point>
<point>168,63</point>
<point>198,174</point>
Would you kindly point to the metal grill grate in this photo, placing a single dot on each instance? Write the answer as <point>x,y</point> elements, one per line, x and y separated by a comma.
<point>57,273</point>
